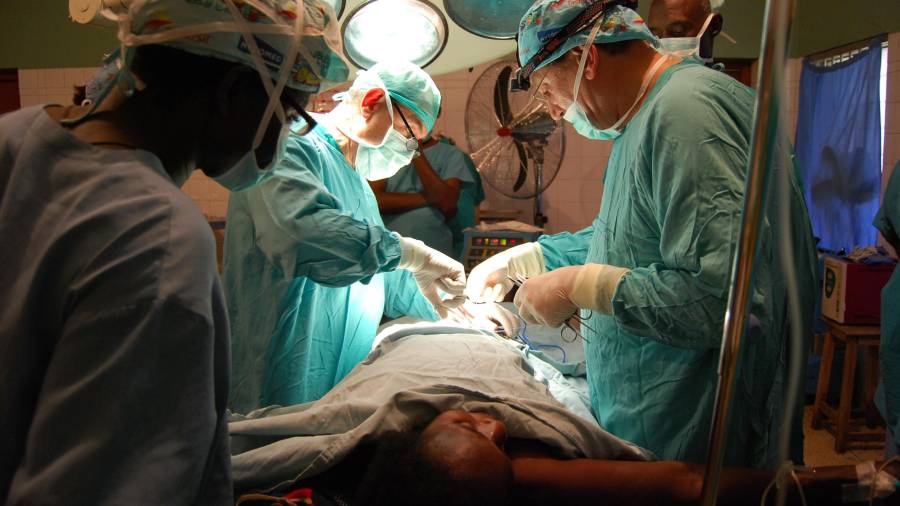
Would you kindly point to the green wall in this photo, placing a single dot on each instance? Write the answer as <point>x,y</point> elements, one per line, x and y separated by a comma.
<point>39,34</point>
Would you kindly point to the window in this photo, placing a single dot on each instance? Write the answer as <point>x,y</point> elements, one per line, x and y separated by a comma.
<point>842,56</point>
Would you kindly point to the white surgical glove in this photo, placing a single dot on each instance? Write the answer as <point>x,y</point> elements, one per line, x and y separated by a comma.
<point>433,271</point>
<point>492,317</point>
<point>489,280</point>
<point>552,298</point>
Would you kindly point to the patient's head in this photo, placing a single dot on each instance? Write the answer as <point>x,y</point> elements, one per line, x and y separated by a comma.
<point>458,459</point>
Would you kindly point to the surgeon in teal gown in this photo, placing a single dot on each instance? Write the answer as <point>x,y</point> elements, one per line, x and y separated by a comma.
<point>310,269</point>
<point>651,274</point>
<point>887,221</point>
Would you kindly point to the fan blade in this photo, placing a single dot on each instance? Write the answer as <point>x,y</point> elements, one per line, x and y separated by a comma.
<point>523,167</point>
<point>501,96</point>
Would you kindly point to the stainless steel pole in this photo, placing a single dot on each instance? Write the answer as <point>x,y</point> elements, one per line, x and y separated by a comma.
<point>763,145</point>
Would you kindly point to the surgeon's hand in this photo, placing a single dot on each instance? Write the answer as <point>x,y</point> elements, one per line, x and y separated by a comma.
<point>489,281</point>
<point>546,299</point>
<point>434,272</point>
<point>552,298</point>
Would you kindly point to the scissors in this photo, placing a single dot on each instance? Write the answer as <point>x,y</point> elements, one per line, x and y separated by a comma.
<point>518,280</point>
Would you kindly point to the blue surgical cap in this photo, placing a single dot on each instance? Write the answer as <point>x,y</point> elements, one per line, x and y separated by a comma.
<point>547,17</point>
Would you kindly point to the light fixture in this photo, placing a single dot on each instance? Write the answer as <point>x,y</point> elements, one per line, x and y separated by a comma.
<point>492,20</point>
<point>412,30</point>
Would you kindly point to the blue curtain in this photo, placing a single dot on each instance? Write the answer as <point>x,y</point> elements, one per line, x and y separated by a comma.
<point>839,148</point>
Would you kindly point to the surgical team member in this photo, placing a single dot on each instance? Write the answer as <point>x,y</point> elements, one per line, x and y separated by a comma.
<point>887,221</point>
<point>686,28</point>
<point>310,268</point>
<point>114,342</point>
<point>652,272</point>
<point>421,198</point>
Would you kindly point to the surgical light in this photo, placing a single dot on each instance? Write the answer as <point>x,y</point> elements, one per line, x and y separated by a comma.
<point>411,30</point>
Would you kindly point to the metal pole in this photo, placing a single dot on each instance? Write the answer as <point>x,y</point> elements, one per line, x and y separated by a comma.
<point>763,144</point>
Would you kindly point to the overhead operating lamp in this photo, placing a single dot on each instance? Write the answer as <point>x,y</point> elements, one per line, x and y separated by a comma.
<point>498,19</point>
<point>411,30</point>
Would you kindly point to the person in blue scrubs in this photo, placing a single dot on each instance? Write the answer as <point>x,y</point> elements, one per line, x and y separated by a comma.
<point>114,340</point>
<point>651,275</point>
<point>887,221</point>
<point>310,269</point>
<point>420,199</point>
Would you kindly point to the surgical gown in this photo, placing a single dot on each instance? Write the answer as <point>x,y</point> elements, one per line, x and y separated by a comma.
<point>671,212</point>
<point>306,277</point>
<point>427,223</point>
<point>470,196</point>
<point>887,221</point>
<point>114,349</point>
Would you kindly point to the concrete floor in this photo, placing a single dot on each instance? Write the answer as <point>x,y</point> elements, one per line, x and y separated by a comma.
<point>819,447</point>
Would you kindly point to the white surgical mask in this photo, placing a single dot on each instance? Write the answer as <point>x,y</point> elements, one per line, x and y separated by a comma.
<point>575,113</point>
<point>382,162</point>
<point>687,48</point>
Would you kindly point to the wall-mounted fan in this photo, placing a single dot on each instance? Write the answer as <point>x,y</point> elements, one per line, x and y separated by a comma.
<point>516,145</point>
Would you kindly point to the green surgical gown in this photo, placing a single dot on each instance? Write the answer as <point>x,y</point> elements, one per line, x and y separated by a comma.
<point>309,273</point>
<point>888,222</point>
<point>671,212</point>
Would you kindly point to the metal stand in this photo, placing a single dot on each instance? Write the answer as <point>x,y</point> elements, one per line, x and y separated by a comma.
<point>765,131</point>
<point>537,153</point>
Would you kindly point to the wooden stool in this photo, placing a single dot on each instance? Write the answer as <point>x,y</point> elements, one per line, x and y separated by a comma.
<point>838,420</point>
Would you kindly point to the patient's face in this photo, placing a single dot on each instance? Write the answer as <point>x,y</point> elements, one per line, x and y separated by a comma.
<point>469,445</point>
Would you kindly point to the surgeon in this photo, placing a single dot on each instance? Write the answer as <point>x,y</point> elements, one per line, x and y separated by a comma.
<point>887,221</point>
<point>651,275</point>
<point>114,340</point>
<point>310,268</point>
<point>687,28</point>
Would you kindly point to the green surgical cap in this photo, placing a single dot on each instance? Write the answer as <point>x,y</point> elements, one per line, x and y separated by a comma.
<point>409,85</point>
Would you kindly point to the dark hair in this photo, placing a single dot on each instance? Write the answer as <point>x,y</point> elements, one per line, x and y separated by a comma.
<point>400,474</point>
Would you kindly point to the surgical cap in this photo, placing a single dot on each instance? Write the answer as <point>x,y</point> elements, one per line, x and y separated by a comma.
<point>207,28</point>
<point>547,17</point>
<point>412,87</point>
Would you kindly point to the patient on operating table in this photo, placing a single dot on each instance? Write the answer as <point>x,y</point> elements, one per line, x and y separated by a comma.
<point>437,415</point>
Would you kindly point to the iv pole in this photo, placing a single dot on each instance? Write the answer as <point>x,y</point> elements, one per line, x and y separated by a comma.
<point>778,16</point>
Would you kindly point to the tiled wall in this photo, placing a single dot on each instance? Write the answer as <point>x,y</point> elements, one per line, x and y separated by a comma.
<point>571,201</point>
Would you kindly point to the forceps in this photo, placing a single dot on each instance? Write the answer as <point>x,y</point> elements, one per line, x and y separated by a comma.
<point>518,280</point>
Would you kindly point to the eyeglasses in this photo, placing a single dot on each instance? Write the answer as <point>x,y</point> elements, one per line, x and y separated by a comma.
<point>412,144</point>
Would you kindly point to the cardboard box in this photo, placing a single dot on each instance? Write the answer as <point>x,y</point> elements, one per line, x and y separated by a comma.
<point>851,293</point>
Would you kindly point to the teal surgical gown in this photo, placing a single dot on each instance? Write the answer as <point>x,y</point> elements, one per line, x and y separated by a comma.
<point>888,222</point>
<point>309,273</point>
<point>470,196</point>
<point>671,212</point>
<point>427,223</point>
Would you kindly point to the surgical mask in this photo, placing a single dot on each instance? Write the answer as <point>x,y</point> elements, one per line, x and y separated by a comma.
<point>575,113</point>
<point>246,173</point>
<point>382,162</point>
<point>687,48</point>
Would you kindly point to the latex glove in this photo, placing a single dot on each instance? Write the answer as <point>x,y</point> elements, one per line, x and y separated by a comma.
<point>489,280</point>
<point>434,272</point>
<point>488,316</point>
<point>552,298</point>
